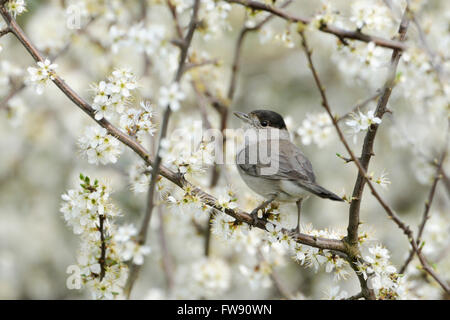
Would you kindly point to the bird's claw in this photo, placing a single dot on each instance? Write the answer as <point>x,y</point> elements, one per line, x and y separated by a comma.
<point>254,215</point>
<point>294,232</point>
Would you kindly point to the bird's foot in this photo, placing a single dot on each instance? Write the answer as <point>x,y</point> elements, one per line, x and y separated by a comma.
<point>294,232</point>
<point>254,215</point>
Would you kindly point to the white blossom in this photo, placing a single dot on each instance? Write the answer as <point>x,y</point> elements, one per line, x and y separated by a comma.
<point>16,7</point>
<point>171,96</point>
<point>42,75</point>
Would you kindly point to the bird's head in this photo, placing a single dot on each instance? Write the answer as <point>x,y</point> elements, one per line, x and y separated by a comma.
<point>262,119</point>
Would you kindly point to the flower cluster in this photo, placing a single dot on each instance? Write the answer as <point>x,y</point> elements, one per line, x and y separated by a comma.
<point>99,146</point>
<point>42,75</point>
<point>257,276</point>
<point>373,15</point>
<point>112,96</point>
<point>89,212</point>
<point>138,122</point>
<point>213,15</point>
<point>129,247</point>
<point>316,128</point>
<point>362,122</point>
<point>144,39</point>
<point>205,278</point>
<point>185,150</point>
<point>16,7</point>
<point>382,180</point>
<point>309,256</point>
<point>223,225</point>
<point>171,96</point>
<point>382,274</point>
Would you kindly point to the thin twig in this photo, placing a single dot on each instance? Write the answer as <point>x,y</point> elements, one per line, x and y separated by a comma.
<point>360,105</point>
<point>275,279</point>
<point>4,31</point>
<point>338,32</point>
<point>167,260</point>
<point>429,201</point>
<point>102,258</point>
<point>223,109</point>
<point>363,161</point>
<point>355,297</point>
<point>142,236</point>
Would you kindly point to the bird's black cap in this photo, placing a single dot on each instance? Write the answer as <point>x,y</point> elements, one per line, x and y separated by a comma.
<point>272,118</point>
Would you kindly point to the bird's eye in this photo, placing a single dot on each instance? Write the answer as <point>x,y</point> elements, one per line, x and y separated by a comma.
<point>264,123</point>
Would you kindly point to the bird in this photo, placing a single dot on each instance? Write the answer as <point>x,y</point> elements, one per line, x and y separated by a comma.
<point>284,175</point>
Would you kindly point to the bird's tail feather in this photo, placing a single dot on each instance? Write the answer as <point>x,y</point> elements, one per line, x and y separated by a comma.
<point>321,192</point>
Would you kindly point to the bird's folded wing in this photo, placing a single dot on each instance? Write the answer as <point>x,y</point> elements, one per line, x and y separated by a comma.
<point>290,164</point>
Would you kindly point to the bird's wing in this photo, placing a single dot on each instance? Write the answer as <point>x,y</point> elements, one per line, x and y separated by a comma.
<point>291,164</point>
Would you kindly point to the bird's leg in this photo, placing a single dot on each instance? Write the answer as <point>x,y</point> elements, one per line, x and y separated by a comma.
<point>254,212</point>
<point>299,210</point>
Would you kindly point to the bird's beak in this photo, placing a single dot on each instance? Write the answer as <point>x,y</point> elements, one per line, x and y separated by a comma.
<point>243,116</point>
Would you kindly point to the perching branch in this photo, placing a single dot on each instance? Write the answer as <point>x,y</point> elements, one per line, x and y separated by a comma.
<point>338,32</point>
<point>177,179</point>
<point>223,109</point>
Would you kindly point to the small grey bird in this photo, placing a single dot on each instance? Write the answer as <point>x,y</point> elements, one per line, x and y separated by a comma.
<point>293,180</point>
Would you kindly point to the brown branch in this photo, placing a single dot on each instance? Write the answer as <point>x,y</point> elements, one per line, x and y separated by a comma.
<point>19,88</point>
<point>360,105</point>
<point>223,109</point>
<point>179,180</point>
<point>102,258</point>
<point>174,13</point>
<point>355,297</point>
<point>167,262</point>
<point>361,163</point>
<point>190,66</point>
<point>428,202</point>
<point>369,140</point>
<point>338,32</point>
<point>156,166</point>
<point>352,238</point>
<point>4,31</point>
<point>274,277</point>
<point>11,94</point>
